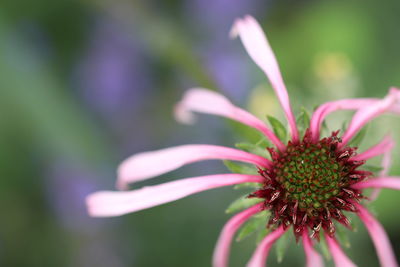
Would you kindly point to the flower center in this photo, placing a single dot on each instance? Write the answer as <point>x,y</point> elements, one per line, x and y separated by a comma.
<point>309,185</point>
<point>310,175</point>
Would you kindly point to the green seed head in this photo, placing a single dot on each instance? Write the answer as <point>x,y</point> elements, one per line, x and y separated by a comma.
<point>310,176</point>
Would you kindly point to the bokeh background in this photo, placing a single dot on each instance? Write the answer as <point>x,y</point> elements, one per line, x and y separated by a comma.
<point>84,84</point>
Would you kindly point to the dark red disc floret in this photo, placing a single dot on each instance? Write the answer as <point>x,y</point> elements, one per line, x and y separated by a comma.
<point>308,186</point>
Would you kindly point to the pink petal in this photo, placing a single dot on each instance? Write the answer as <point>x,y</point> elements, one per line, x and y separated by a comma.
<point>338,255</point>
<point>329,107</point>
<point>256,44</point>
<point>207,101</point>
<point>313,258</point>
<point>109,203</point>
<point>221,252</point>
<point>259,257</point>
<point>368,113</point>
<point>386,162</point>
<point>379,182</point>
<point>384,146</point>
<point>149,164</point>
<point>379,237</point>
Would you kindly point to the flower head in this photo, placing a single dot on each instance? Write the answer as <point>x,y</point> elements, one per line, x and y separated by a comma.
<point>307,184</point>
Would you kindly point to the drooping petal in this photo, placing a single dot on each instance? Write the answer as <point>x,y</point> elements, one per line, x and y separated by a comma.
<point>150,164</point>
<point>384,146</point>
<point>379,182</point>
<point>259,257</point>
<point>379,237</point>
<point>257,46</point>
<point>313,258</point>
<point>325,109</point>
<point>207,101</point>
<point>386,162</point>
<point>338,255</point>
<point>221,252</point>
<point>368,113</point>
<point>109,203</point>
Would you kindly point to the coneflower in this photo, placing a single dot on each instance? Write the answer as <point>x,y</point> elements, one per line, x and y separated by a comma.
<point>307,184</point>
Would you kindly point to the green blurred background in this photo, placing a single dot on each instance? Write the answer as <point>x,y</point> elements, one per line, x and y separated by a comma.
<point>84,84</point>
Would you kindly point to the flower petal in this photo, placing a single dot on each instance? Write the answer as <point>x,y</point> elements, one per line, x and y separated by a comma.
<point>259,257</point>
<point>386,162</point>
<point>207,101</point>
<point>325,109</point>
<point>257,46</point>
<point>313,258</point>
<point>338,255</point>
<point>384,146</point>
<point>379,237</point>
<point>221,252</point>
<point>368,113</point>
<point>379,182</point>
<point>109,203</point>
<point>149,164</point>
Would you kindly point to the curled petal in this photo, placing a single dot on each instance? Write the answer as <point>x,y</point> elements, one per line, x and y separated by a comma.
<point>221,252</point>
<point>379,182</point>
<point>368,113</point>
<point>325,109</point>
<point>379,237</point>
<point>386,162</point>
<point>256,44</point>
<point>313,258</point>
<point>338,255</point>
<point>383,147</point>
<point>149,164</point>
<point>260,255</point>
<point>207,101</point>
<point>109,203</point>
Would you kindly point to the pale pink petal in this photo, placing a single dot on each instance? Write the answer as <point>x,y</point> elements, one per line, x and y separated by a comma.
<point>396,107</point>
<point>149,164</point>
<point>379,237</point>
<point>383,147</point>
<point>325,109</point>
<point>259,257</point>
<point>256,44</point>
<point>386,162</point>
<point>221,252</point>
<point>109,203</point>
<point>368,113</point>
<point>338,255</point>
<point>207,101</point>
<point>313,258</point>
<point>379,182</point>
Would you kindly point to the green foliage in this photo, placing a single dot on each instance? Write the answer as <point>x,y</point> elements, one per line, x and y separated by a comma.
<point>257,149</point>
<point>240,167</point>
<point>245,132</point>
<point>356,140</point>
<point>256,223</point>
<point>341,234</point>
<point>263,232</point>
<point>282,245</point>
<point>324,247</point>
<point>242,203</point>
<point>278,128</point>
<point>372,168</point>
<point>303,121</point>
<point>252,186</point>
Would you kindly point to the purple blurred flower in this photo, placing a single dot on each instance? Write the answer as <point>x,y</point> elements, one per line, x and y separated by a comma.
<point>115,80</point>
<point>215,18</point>
<point>67,185</point>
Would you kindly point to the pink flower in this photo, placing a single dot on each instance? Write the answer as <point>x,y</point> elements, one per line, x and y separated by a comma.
<point>306,184</point>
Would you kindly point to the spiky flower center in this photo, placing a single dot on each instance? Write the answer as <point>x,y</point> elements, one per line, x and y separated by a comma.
<point>309,185</point>
<point>310,175</point>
